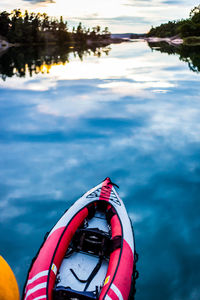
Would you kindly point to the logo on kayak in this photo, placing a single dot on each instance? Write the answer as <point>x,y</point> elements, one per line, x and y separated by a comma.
<point>54,269</point>
<point>106,193</point>
<point>107,280</point>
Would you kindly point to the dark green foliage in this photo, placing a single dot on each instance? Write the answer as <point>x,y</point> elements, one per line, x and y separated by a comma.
<point>97,35</point>
<point>32,28</point>
<point>192,40</point>
<point>183,28</point>
<point>187,29</point>
<point>4,23</point>
<point>164,30</point>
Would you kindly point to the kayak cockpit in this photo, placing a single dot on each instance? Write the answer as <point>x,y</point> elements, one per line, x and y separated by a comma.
<point>84,267</point>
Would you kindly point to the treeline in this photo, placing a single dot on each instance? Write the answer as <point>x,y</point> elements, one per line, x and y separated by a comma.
<point>183,28</point>
<point>32,28</point>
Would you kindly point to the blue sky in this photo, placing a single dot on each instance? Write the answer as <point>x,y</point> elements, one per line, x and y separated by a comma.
<point>119,15</point>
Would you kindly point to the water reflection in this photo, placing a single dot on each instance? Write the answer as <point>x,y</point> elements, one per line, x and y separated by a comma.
<point>188,54</point>
<point>22,62</point>
<point>26,62</point>
<point>132,115</point>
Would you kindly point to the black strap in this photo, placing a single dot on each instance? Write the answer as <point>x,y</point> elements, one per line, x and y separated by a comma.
<point>91,276</point>
<point>110,213</point>
<point>91,210</point>
<point>114,184</point>
<point>81,280</point>
<point>110,182</point>
<point>115,243</point>
<point>94,272</point>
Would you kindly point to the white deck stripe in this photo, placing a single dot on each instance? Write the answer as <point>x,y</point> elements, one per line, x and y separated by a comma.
<point>107,298</point>
<point>41,274</point>
<point>117,291</point>
<point>36,288</point>
<point>41,297</point>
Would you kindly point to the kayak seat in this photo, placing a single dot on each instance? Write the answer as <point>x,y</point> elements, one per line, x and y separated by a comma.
<point>92,240</point>
<point>66,293</point>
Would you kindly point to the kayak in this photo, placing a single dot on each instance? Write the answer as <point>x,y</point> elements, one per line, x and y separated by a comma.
<point>88,254</point>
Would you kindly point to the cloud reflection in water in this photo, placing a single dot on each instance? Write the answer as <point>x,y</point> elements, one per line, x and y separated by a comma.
<point>134,116</point>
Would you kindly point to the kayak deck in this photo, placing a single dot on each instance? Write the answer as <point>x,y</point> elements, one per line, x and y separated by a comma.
<point>83,263</point>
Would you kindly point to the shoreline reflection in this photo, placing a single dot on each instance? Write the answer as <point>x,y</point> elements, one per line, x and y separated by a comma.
<point>21,62</point>
<point>188,54</point>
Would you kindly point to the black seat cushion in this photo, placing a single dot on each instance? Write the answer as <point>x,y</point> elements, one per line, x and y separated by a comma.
<point>66,293</point>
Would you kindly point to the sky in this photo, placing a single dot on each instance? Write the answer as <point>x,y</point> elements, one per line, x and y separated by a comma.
<point>121,16</point>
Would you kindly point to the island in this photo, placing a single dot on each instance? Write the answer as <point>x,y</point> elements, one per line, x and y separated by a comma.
<point>186,31</point>
<point>31,29</point>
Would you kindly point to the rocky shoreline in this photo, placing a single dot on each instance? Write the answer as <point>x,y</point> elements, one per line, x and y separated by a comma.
<point>4,45</point>
<point>176,40</point>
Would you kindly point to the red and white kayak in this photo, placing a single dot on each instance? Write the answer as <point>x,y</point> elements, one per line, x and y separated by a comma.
<point>88,254</point>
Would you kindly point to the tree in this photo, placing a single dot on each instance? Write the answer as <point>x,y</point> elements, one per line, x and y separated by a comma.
<point>4,23</point>
<point>186,29</point>
<point>16,32</point>
<point>80,37</point>
<point>194,11</point>
<point>63,34</point>
<point>45,22</point>
<point>36,28</point>
<point>106,33</point>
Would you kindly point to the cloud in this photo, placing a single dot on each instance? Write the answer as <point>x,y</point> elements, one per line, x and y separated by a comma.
<point>119,15</point>
<point>138,16</point>
<point>158,2</point>
<point>40,1</point>
<point>130,23</point>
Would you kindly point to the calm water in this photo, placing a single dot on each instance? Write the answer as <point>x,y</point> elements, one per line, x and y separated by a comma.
<point>132,114</point>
